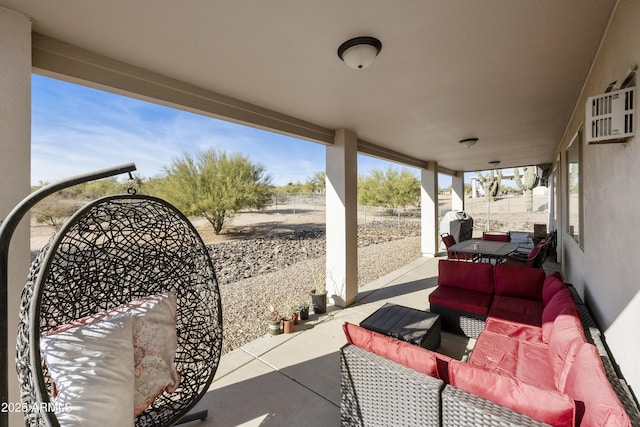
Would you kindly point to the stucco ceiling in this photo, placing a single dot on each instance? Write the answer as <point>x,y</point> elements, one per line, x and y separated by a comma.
<point>508,72</point>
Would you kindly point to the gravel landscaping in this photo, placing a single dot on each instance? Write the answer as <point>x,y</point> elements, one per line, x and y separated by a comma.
<point>256,275</point>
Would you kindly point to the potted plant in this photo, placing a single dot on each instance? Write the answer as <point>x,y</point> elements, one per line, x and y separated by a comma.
<point>288,324</point>
<point>290,318</point>
<point>274,322</point>
<point>303,311</point>
<point>319,293</point>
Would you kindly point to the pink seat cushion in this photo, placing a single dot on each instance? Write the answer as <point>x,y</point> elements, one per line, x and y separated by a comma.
<point>596,402</point>
<point>525,361</point>
<point>461,299</point>
<point>409,355</point>
<point>561,302</point>
<point>515,281</point>
<point>515,330</point>
<point>546,405</point>
<point>567,336</point>
<point>473,276</point>
<point>519,310</point>
<point>552,284</point>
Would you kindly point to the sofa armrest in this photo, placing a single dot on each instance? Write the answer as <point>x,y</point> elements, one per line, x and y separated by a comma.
<point>595,337</point>
<point>463,409</point>
<point>379,392</point>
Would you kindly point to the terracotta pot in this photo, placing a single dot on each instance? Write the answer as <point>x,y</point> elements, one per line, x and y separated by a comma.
<point>288,326</point>
<point>295,318</point>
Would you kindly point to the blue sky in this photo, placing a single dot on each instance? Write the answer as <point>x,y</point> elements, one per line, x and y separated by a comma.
<point>76,129</point>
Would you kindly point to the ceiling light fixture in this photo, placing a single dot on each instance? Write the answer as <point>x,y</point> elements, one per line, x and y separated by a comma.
<point>468,142</point>
<point>494,162</point>
<point>359,52</point>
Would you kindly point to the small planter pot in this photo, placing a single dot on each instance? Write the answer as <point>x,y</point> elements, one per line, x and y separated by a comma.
<point>274,327</point>
<point>288,326</point>
<point>295,316</point>
<point>319,302</point>
<point>303,313</point>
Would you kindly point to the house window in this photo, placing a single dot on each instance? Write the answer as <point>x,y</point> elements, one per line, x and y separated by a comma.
<point>574,193</point>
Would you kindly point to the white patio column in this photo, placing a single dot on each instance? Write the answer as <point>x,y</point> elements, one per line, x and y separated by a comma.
<point>342,218</point>
<point>457,192</point>
<point>552,204</point>
<point>15,159</point>
<point>429,209</point>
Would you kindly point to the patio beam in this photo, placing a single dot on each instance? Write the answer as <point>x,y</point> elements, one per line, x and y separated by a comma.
<point>71,63</point>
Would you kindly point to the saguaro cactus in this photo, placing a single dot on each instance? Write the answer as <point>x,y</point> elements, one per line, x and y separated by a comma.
<point>527,183</point>
<point>490,184</point>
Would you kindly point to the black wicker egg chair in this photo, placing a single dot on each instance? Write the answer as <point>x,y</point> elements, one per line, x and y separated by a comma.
<point>113,251</point>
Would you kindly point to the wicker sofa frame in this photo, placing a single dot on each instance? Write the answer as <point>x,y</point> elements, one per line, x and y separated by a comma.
<point>379,392</point>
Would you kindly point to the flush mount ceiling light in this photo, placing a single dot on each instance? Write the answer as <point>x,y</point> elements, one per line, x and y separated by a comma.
<point>494,162</point>
<point>359,52</point>
<point>468,142</point>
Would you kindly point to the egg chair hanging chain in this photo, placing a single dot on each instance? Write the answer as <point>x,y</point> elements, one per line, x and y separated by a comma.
<point>132,189</point>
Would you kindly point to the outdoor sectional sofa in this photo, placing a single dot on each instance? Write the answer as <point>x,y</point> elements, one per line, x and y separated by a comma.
<point>538,359</point>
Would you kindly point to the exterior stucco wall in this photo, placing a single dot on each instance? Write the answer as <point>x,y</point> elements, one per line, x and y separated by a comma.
<point>15,159</point>
<point>606,270</point>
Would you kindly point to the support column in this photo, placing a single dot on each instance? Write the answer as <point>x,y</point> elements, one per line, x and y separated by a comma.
<point>552,203</point>
<point>457,192</point>
<point>429,210</point>
<point>342,218</point>
<point>15,160</point>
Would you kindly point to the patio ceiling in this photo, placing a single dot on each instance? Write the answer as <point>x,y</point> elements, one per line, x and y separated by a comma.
<point>507,72</point>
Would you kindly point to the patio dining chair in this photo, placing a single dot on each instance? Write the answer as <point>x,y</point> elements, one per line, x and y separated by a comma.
<point>533,259</point>
<point>449,241</point>
<point>114,252</point>
<point>496,236</point>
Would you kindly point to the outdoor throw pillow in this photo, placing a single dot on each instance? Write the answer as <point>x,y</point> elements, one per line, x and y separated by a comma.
<point>92,367</point>
<point>154,344</point>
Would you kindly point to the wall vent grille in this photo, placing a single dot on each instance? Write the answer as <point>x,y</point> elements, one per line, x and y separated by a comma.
<point>610,117</point>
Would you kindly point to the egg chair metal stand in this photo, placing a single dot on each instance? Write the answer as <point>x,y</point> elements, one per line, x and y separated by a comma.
<point>110,252</point>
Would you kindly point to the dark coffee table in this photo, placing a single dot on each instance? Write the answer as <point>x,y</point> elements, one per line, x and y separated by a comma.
<point>407,324</point>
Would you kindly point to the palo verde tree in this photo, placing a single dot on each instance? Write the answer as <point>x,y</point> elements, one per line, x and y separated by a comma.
<point>316,183</point>
<point>216,185</point>
<point>392,188</point>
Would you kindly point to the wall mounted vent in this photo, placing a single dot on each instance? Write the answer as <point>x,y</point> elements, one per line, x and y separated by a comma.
<point>610,117</point>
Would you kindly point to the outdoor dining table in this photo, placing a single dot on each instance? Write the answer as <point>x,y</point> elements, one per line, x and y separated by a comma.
<point>486,249</point>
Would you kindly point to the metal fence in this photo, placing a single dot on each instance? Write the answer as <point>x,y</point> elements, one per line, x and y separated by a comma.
<point>507,212</point>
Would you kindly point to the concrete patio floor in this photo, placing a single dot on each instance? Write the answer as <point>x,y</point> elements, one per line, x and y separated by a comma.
<point>294,379</point>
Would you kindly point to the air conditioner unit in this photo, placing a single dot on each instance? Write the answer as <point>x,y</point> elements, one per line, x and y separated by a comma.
<point>610,117</point>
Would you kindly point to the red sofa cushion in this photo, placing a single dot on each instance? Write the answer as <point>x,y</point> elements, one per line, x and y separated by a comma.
<point>516,310</point>
<point>515,330</point>
<point>561,302</point>
<point>461,299</point>
<point>552,284</point>
<point>567,336</point>
<point>546,405</point>
<point>525,361</point>
<point>472,276</point>
<point>519,282</point>
<point>596,402</point>
<point>409,355</point>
